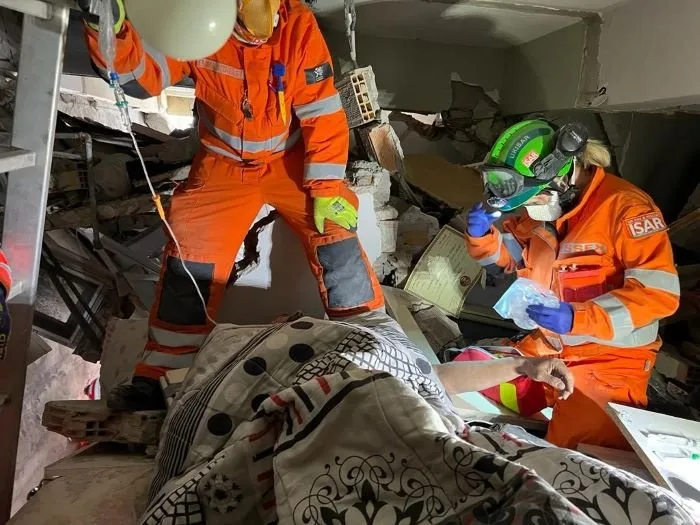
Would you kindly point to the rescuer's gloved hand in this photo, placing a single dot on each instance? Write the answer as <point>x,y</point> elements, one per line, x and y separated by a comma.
<point>334,209</point>
<point>559,320</point>
<point>479,221</point>
<point>4,321</point>
<point>93,21</point>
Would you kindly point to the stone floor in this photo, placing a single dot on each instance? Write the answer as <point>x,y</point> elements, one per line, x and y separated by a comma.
<point>56,375</point>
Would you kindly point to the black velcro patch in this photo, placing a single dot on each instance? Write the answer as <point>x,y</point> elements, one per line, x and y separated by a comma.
<point>318,74</point>
<point>179,301</point>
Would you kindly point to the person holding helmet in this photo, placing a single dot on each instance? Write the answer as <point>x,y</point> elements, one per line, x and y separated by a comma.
<point>600,244</point>
<point>273,131</point>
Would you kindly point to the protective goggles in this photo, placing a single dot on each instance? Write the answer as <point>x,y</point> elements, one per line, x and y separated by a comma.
<point>506,189</point>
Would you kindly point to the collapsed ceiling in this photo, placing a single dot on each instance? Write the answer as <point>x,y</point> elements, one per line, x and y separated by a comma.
<point>477,23</point>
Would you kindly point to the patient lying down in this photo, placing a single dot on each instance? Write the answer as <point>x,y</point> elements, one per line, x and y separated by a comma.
<point>323,422</point>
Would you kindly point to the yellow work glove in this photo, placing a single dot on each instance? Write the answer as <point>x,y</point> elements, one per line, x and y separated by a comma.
<point>334,209</point>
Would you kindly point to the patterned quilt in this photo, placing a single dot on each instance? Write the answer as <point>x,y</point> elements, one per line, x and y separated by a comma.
<point>320,422</point>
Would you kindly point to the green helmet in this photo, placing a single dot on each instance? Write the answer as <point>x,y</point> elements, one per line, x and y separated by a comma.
<point>508,171</point>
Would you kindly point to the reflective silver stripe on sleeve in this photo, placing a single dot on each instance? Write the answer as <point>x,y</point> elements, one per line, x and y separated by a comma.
<point>513,247</point>
<point>164,360</point>
<point>657,279</point>
<point>639,337</point>
<point>624,333</point>
<point>129,76</point>
<point>319,108</point>
<point>160,59</point>
<point>175,339</point>
<point>620,316</point>
<point>493,259</point>
<point>220,68</point>
<point>324,171</point>
<point>289,142</point>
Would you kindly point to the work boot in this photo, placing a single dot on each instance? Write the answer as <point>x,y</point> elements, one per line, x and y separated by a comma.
<point>142,393</point>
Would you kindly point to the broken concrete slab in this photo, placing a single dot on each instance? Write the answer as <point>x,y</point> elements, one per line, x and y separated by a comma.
<point>386,213</point>
<point>416,230</point>
<point>440,331</point>
<point>392,268</point>
<point>369,177</point>
<point>389,233</point>
<point>123,344</point>
<point>92,421</point>
<point>673,365</point>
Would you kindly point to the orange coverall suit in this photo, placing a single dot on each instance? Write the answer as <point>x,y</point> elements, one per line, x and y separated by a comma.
<point>251,155</point>
<point>617,237</point>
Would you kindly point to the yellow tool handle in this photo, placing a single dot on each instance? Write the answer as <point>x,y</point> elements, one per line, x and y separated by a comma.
<point>283,106</point>
<point>159,206</point>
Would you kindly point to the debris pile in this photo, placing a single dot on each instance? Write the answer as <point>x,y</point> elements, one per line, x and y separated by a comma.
<point>677,371</point>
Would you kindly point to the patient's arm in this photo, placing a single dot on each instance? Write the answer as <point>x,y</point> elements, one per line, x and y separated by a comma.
<point>472,376</point>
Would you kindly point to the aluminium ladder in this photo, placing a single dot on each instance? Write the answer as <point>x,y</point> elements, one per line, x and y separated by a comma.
<point>29,162</point>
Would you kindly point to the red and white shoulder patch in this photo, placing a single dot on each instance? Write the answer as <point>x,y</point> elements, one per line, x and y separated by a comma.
<point>646,224</point>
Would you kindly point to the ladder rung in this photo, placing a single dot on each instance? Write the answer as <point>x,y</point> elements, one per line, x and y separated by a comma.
<point>12,159</point>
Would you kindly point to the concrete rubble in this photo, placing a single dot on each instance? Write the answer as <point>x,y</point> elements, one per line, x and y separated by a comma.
<point>441,332</point>
<point>369,177</point>
<point>416,230</point>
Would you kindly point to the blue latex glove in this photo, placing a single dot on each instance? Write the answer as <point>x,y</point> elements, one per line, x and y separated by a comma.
<point>4,323</point>
<point>479,221</point>
<point>559,320</point>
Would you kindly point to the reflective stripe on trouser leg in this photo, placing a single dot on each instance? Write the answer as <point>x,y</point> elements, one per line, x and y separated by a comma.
<point>177,304</point>
<point>345,275</point>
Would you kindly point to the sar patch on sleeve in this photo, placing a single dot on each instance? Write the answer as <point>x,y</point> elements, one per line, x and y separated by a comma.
<point>318,74</point>
<point>646,224</point>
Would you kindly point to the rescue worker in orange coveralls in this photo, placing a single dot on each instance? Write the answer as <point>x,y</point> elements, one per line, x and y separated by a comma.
<point>272,131</point>
<point>600,244</point>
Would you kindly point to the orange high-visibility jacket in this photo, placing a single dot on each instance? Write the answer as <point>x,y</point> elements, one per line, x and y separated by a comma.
<point>235,86</point>
<point>617,234</point>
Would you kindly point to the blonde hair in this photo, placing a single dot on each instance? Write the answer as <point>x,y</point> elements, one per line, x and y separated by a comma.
<point>595,153</point>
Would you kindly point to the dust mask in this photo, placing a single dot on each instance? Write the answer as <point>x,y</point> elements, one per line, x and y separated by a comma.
<point>547,212</point>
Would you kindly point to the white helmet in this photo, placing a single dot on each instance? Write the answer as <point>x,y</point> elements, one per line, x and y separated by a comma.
<point>183,29</point>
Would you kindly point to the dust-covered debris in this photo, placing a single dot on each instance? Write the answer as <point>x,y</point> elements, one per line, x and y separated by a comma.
<point>392,269</point>
<point>416,230</point>
<point>369,177</point>
<point>440,331</point>
<point>472,123</point>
